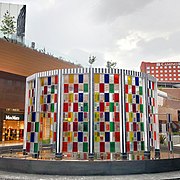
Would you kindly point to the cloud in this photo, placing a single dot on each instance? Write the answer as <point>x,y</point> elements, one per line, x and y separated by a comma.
<point>107,11</point>
<point>125,31</point>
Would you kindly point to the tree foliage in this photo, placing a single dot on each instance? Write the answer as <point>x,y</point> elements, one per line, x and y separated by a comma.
<point>111,64</point>
<point>8,24</point>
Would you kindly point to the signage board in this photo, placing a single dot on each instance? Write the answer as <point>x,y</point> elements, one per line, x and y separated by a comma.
<point>14,117</point>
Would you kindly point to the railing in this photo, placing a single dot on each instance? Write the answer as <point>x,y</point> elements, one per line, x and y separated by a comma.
<point>37,47</point>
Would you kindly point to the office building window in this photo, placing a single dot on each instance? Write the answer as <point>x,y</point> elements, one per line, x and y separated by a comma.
<point>170,74</point>
<point>165,67</point>
<point>170,70</point>
<point>170,78</point>
<point>148,67</point>
<point>174,78</point>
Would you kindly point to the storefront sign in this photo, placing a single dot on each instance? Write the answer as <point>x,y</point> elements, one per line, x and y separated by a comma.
<point>15,117</point>
<point>168,64</point>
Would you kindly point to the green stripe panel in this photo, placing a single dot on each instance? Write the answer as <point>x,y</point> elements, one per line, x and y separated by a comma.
<point>111,88</point>
<point>52,107</point>
<point>85,107</point>
<point>36,147</point>
<point>112,146</point>
<point>85,147</point>
<point>52,89</point>
<point>142,145</point>
<point>36,126</point>
<point>85,126</point>
<point>111,108</point>
<point>85,87</point>
<point>111,126</point>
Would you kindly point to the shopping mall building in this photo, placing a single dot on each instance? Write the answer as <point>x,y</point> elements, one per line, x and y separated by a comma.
<point>16,63</point>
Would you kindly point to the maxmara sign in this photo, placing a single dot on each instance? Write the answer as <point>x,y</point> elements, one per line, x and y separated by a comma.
<point>16,117</point>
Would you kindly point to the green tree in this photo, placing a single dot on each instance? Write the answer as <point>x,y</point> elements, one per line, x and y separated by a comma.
<point>8,25</point>
<point>111,64</point>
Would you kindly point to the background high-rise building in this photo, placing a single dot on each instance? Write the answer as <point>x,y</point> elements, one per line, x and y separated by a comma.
<point>167,73</point>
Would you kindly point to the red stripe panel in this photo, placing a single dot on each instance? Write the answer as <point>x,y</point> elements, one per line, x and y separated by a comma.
<point>65,126</point>
<point>64,148</point>
<point>135,145</point>
<point>116,79</point>
<point>102,146</point>
<point>75,107</point>
<point>101,88</point>
<point>75,147</point>
<point>101,106</point>
<point>102,126</point>
<point>27,146</point>
<point>128,146</point>
<point>65,107</point>
<point>117,136</point>
<point>66,88</point>
<point>56,79</point>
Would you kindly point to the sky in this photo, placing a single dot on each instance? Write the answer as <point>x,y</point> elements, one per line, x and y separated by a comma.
<point>123,31</point>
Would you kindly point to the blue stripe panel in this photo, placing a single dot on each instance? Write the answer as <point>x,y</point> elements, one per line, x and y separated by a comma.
<point>80,78</point>
<point>34,100</point>
<point>49,80</point>
<point>80,136</point>
<point>32,137</point>
<point>48,98</point>
<point>107,136</point>
<point>33,116</point>
<point>137,99</point>
<point>107,116</point>
<point>150,136</point>
<point>80,97</point>
<point>150,84</point>
<point>106,97</point>
<point>106,78</point>
<point>138,136</point>
<point>34,84</point>
<point>80,116</point>
<point>137,81</point>
<point>138,117</point>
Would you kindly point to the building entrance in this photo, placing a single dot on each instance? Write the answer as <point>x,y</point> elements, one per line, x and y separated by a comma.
<point>13,130</point>
<point>12,126</point>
